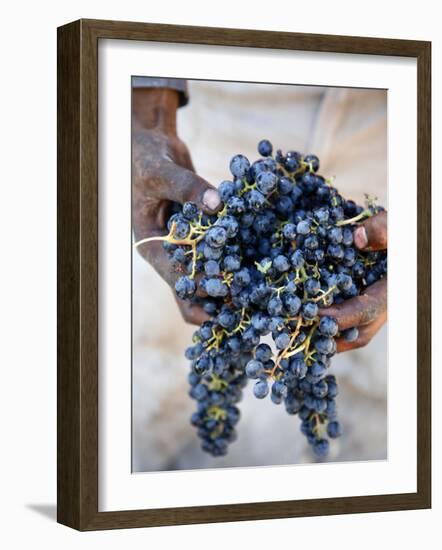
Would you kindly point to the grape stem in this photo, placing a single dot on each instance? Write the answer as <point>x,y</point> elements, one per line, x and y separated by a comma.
<point>184,242</point>
<point>170,238</point>
<point>282,355</point>
<point>216,339</point>
<point>217,413</point>
<point>320,426</point>
<point>324,294</point>
<point>241,325</point>
<point>305,345</point>
<point>217,383</point>
<point>364,214</point>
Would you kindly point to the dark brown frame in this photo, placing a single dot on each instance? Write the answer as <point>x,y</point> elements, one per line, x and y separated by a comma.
<point>77,462</point>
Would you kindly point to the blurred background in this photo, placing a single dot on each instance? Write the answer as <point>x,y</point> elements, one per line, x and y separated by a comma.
<point>347,129</point>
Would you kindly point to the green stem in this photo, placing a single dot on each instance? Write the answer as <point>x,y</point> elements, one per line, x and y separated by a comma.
<point>324,294</point>
<point>364,214</point>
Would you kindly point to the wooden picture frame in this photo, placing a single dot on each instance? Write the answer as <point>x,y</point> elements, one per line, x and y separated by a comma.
<point>77,461</point>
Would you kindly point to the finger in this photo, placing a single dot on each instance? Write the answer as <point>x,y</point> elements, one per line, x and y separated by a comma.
<point>168,181</point>
<point>149,217</point>
<point>183,157</point>
<point>372,233</point>
<point>360,310</point>
<point>191,313</point>
<point>366,333</point>
<point>155,254</point>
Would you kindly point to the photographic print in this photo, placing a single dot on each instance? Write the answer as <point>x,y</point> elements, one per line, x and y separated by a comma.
<point>226,199</point>
<point>259,274</point>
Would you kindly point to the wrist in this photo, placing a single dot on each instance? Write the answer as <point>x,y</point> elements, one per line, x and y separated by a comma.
<point>155,109</point>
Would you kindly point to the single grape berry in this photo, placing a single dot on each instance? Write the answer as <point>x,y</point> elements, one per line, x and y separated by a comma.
<point>320,448</point>
<point>298,368</point>
<point>344,281</point>
<point>303,227</point>
<point>226,190</point>
<point>239,166</point>
<point>282,340</point>
<point>328,326</point>
<point>216,288</point>
<point>285,186</point>
<point>309,311</point>
<point>281,263</point>
<point>265,148</point>
<point>261,389</point>
<point>263,353</point>
<point>231,263</point>
<point>185,287</point>
<point>256,200</point>
<point>266,182</point>
<point>291,164</point>
<point>190,210</point>
<point>254,368</point>
<point>216,237</point>
<point>334,429</point>
<point>211,268</point>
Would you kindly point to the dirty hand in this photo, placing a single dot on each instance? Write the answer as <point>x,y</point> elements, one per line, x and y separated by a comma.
<point>367,312</point>
<point>163,174</point>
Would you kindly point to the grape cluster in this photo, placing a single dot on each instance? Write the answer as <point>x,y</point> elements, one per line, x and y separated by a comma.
<point>280,249</point>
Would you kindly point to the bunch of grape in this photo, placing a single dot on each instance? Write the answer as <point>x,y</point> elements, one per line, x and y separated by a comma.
<point>280,249</point>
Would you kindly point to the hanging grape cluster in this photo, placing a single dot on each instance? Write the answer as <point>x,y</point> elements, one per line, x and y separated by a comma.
<point>279,250</point>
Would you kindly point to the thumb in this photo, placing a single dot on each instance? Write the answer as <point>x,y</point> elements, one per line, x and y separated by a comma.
<point>372,233</point>
<point>178,184</point>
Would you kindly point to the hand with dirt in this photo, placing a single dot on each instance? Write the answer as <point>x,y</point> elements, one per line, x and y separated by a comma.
<point>163,174</point>
<point>367,312</point>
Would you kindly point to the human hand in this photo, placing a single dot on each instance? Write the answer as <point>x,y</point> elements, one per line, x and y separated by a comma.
<point>367,312</point>
<point>162,174</point>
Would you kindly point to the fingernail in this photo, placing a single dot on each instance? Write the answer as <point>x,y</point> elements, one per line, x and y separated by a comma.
<point>360,237</point>
<point>211,199</point>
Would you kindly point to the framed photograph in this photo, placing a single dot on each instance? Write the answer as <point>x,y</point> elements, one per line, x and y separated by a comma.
<point>226,203</point>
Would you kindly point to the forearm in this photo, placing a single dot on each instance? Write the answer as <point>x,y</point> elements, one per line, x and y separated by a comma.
<point>155,109</point>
